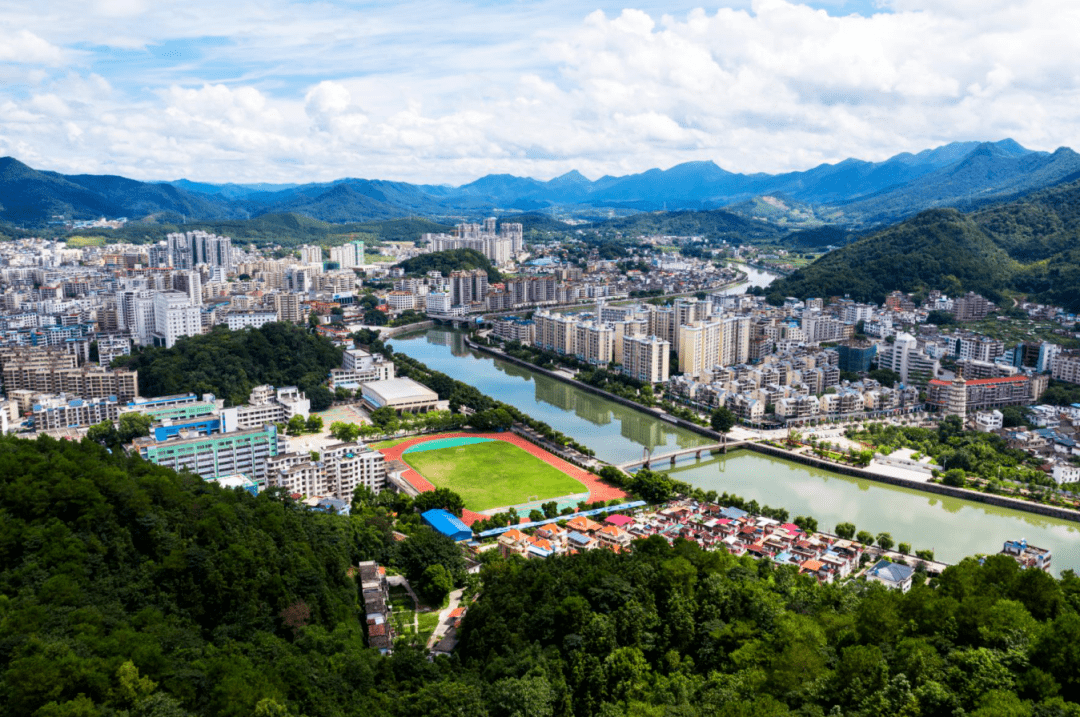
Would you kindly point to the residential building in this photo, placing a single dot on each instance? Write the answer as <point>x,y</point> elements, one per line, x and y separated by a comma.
<point>891,575</point>
<point>646,358</point>
<point>288,308</point>
<point>174,317</point>
<point>349,255</point>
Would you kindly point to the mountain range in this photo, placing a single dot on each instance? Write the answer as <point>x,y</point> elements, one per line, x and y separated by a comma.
<point>852,192</point>
<point>1029,245</point>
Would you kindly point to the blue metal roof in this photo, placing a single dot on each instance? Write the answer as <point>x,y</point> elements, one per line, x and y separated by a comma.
<point>447,523</point>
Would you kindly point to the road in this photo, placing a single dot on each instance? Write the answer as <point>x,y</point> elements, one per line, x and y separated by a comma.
<point>444,615</point>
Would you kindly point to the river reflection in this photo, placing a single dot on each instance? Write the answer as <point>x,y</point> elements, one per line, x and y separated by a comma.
<point>617,433</point>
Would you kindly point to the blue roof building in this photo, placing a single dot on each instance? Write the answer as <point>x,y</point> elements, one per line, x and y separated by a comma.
<point>891,575</point>
<point>446,523</point>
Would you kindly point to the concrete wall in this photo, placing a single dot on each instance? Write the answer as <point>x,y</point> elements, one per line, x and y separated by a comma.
<point>389,333</point>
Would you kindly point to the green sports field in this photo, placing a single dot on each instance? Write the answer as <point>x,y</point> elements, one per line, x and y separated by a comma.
<point>492,475</point>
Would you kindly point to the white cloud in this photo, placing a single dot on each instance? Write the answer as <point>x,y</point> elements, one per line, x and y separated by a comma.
<point>24,46</point>
<point>429,92</point>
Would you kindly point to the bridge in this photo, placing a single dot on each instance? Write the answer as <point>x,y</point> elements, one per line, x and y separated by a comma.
<point>648,459</point>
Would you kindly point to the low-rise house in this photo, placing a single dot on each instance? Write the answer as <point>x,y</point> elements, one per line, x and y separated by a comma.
<point>891,575</point>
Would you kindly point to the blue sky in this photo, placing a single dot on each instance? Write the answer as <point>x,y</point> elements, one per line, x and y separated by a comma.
<point>439,91</point>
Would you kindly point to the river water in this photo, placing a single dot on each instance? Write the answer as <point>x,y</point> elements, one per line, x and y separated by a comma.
<point>952,528</point>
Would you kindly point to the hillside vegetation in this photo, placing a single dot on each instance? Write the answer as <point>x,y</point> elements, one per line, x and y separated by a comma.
<point>450,260</point>
<point>1030,245</point>
<point>229,364</point>
<point>126,589</point>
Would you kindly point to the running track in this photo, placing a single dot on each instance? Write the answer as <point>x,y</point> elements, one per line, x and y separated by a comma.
<point>598,490</point>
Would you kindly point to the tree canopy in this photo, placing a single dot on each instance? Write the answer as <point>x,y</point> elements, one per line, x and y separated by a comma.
<point>229,364</point>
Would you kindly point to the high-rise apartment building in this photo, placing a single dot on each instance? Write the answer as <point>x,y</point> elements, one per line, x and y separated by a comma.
<point>646,358</point>
<point>174,316</point>
<point>288,307</point>
<point>349,255</point>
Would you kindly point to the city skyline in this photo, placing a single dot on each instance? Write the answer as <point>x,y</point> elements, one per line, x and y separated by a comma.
<point>445,92</point>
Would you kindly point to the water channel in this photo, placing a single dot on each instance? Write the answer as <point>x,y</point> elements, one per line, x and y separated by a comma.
<point>952,528</point>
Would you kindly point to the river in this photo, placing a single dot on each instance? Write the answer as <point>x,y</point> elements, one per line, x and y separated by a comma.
<point>617,433</point>
<point>952,528</point>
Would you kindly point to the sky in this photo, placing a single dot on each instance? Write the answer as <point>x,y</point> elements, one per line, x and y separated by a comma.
<point>446,91</point>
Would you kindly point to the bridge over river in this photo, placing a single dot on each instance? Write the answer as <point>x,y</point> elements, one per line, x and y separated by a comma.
<point>648,459</point>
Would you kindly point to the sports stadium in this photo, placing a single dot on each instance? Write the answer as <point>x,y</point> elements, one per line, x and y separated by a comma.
<point>493,472</point>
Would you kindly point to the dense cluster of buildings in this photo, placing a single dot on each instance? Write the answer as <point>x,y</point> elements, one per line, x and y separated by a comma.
<point>499,246</point>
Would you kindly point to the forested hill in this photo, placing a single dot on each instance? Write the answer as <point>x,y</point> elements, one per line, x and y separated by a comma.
<point>1030,245</point>
<point>713,224</point>
<point>126,589</point>
<point>229,364</point>
<point>450,260</point>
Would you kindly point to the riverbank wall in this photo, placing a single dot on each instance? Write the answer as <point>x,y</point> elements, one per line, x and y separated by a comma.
<point>974,496</point>
<point>386,332</point>
<point>659,415</point>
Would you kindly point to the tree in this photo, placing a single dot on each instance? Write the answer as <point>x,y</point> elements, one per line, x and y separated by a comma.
<point>313,320</point>
<point>865,537</point>
<point>314,423</point>
<point>344,432</point>
<point>342,394</point>
<point>940,318</point>
<point>904,548</point>
<point>535,515</point>
<point>443,498</point>
<point>435,584</point>
<point>133,425</point>
<point>382,416</point>
<point>807,523</point>
<point>722,420</point>
<point>296,425</point>
<point>845,530</point>
<point>103,433</point>
<point>885,541</point>
<point>954,477</point>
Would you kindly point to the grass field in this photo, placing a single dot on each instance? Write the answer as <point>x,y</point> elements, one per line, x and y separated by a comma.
<point>492,475</point>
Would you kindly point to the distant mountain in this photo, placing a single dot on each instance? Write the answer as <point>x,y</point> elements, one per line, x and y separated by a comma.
<point>1030,245</point>
<point>990,171</point>
<point>853,192</point>
<point>231,191</point>
<point>28,196</point>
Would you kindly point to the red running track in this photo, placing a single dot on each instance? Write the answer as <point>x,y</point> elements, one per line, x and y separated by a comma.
<point>598,490</point>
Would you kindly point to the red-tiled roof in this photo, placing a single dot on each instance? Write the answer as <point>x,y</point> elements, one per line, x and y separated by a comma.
<point>982,381</point>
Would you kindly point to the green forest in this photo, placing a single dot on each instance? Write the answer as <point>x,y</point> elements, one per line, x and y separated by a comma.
<point>126,589</point>
<point>448,261</point>
<point>1031,245</point>
<point>229,364</point>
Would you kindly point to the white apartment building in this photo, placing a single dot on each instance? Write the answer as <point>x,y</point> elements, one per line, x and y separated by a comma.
<point>349,255</point>
<point>439,302</point>
<point>174,316</point>
<point>311,254</point>
<point>266,405</point>
<point>237,320</point>
<point>905,358</point>
<point>111,346</point>
<point>1065,368</point>
<point>401,301</point>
